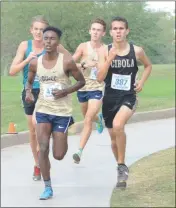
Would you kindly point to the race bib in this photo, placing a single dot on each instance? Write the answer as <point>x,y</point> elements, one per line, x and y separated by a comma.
<point>93,73</point>
<point>121,82</point>
<point>47,90</point>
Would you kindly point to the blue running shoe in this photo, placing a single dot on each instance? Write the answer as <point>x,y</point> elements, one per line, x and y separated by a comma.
<point>48,193</point>
<point>99,124</point>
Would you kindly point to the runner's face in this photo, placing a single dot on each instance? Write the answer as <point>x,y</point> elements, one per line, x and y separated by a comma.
<point>51,41</point>
<point>96,31</point>
<point>37,30</point>
<point>118,31</point>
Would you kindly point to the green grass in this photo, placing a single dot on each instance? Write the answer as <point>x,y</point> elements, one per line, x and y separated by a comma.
<point>159,90</point>
<point>158,93</point>
<point>151,182</point>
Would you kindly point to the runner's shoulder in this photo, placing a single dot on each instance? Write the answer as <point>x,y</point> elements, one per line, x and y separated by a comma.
<point>84,44</point>
<point>67,58</point>
<point>23,44</point>
<point>105,49</point>
<point>138,49</point>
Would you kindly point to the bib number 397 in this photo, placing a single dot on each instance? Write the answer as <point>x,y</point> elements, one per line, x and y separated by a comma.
<point>121,82</point>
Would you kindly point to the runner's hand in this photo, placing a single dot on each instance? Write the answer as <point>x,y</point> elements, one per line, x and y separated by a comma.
<point>59,93</point>
<point>112,53</point>
<point>138,86</point>
<point>31,56</point>
<point>29,97</point>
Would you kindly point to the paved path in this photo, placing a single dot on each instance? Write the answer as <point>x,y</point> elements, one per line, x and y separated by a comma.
<point>88,184</point>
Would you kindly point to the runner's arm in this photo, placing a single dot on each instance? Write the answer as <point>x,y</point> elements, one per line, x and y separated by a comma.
<point>143,58</point>
<point>18,63</point>
<point>103,66</point>
<point>31,74</point>
<point>78,54</point>
<point>72,69</point>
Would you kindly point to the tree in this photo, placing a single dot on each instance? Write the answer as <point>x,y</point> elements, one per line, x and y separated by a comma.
<point>152,30</point>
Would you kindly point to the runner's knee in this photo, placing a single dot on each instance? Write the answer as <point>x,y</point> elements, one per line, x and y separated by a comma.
<point>118,127</point>
<point>59,155</point>
<point>88,120</point>
<point>44,149</point>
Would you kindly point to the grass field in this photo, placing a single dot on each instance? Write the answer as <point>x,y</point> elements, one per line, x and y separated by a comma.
<point>151,182</point>
<point>158,93</point>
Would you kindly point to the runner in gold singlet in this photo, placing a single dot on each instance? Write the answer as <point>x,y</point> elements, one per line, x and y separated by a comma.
<point>54,107</point>
<point>90,96</point>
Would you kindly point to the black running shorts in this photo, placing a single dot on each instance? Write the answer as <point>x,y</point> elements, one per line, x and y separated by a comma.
<point>111,106</point>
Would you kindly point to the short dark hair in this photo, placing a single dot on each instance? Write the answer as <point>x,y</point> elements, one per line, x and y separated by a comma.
<point>54,29</point>
<point>100,21</point>
<point>120,19</point>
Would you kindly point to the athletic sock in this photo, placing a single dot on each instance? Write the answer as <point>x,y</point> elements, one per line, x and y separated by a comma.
<point>121,164</point>
<point>80,150</point>
<point>47,183</point>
